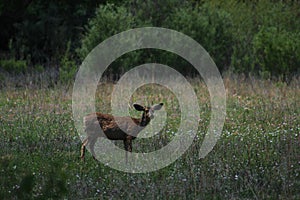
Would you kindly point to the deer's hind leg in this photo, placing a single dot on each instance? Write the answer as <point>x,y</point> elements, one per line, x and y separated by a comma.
<point>82,150</point>
<point>92,146</point>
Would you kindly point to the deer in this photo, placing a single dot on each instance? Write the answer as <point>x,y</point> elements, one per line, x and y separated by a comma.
<point>128,130</point>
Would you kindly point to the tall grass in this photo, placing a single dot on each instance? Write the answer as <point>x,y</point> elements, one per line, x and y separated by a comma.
<point>257,156</point>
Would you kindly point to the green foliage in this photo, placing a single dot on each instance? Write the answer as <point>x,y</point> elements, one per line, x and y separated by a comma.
<point>26,187</point>
<point>68,68</point>
<point>41,29</point>
<point>231,31</point>
<point>209,27</point>
<point>13,66</point>
<point>39,68</point>
<point>259,146</point>
<point>55,182</point>
<point>253,20</point>
<point>109,20</point>
<point>153,13</point>
<point>276,51</point>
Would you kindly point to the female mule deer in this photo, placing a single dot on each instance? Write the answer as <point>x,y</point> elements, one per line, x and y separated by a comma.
<point>130,127</point>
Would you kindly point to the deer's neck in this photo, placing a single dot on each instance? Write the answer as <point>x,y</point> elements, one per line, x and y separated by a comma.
<point>145,120</point>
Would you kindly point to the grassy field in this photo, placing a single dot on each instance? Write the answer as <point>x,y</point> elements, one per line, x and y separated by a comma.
<point>257,156</point>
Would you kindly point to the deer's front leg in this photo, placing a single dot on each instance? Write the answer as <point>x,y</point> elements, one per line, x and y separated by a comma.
<point>129,143</point>
<point>128,146</point>
<point>126,149</point>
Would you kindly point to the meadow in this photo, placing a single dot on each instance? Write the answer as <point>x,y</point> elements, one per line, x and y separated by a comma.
<point>257,156</point>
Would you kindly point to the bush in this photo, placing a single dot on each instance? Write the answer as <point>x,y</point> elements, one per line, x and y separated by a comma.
<point>13,66</point>
<point>209,27</point>
<point>154,13</point>
<point>253,21</point>
<point>235,33</point>
<point>67,68</point>
<point>109,20</point>
<point>276,51</point>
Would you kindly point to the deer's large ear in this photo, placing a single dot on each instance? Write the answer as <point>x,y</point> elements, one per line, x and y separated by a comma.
<point>157,106</point>
<point>138,107</point>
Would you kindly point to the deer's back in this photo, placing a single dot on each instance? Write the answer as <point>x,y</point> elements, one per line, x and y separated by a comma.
<point>110,127</point>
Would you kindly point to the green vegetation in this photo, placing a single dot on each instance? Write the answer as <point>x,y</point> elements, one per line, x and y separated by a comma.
<point>256,46</point>
<point>257,156</point>
<point>13,66</point>
<point>68,68</point>
<point>251,37</point>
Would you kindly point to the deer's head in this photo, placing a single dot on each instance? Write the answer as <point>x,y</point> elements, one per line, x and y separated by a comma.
<point>148,112</point>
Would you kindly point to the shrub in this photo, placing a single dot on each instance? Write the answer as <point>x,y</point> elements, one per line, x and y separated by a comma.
<point>253,21</point>
<point>68,67</point>
<point>109,20</point>
<point>276,51</point>
<point>233,32</point>
<point>13,66</point>
<point>209,27</point>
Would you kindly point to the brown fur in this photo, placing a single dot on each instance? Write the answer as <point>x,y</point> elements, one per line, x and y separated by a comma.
<point>111,129</point>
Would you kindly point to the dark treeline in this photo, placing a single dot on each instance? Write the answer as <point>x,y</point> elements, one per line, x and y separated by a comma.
<point>250,37</point>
